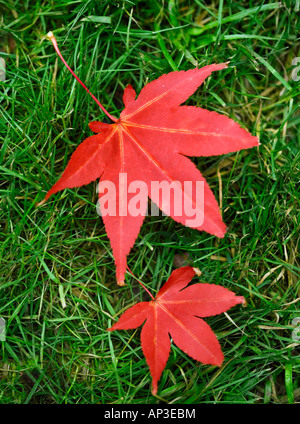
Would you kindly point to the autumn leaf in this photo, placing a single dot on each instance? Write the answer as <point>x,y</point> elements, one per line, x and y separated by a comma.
<point>175,313</point>
<point>149,144</point>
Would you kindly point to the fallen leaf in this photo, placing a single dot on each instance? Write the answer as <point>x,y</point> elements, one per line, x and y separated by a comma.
<point>148,144</point>
<point>182,259</point>
<point>175,313</point>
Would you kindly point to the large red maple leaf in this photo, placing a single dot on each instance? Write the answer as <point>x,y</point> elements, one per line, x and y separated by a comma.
<point>149,143</point>
<point>175,312</point>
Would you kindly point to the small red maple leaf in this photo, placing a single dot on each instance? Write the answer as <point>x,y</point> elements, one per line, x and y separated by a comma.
<point>149,144</point>
<point>175,313</point>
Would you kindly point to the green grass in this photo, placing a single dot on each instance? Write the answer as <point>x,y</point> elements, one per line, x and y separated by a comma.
<point>57,283</point>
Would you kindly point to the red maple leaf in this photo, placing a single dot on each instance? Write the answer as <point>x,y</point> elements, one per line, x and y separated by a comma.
<point>149,144</point>
<point>175,312</point>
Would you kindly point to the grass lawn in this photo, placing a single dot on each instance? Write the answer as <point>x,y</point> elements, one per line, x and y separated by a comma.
<point>58,293</point>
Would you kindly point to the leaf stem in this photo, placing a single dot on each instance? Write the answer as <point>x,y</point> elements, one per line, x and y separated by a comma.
<point>51,37</point>
<point>145,288</point>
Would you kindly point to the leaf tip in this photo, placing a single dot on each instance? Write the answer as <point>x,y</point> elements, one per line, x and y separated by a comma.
<point>113,327</point>
<point>154,389</point>
<point>197,271</point>
<point>50,36</point>
<point>37,205</point>
<point>242,300</point>
<point>220,362</point>
<point>48,194</point>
